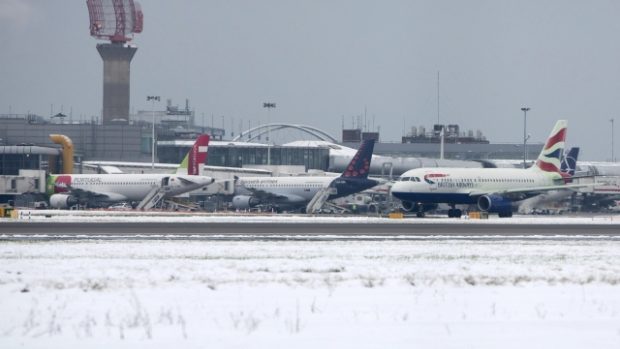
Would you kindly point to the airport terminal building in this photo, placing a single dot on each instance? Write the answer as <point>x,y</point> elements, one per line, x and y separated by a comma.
<point>132,142</point>
<point>28,155</point>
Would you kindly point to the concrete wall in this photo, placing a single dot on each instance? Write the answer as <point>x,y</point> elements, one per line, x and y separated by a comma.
<point>28,181</point>
<point>116,78</point>
<point>91,141</point>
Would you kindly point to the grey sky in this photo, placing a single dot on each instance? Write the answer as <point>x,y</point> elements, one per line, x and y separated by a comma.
<point>320,60</point>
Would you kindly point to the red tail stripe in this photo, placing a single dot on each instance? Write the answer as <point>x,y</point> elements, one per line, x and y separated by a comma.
<point>558,137</point>
<point>197,159</point>
<point>547,167</point>
<point>566,177</point>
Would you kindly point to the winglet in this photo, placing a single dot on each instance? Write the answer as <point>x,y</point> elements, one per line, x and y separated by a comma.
<point>549,158</point>
<point>360,164</point>
<point>196,157</point>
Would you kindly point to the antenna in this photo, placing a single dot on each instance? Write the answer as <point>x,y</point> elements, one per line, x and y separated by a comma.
<point>115,20</point>
<point>438,97</point>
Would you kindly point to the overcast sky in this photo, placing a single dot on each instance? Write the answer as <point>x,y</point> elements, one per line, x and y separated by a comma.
<point>324,60</point>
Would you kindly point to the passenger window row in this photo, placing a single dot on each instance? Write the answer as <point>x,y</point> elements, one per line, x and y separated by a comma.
<point>470,180</point>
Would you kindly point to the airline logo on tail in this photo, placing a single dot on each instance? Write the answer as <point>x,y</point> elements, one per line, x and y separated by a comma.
<point>360,164</point>
<point>58,184</point>
<point>550,157</point>
<point>569,161</point>
<point>197,156</point>
<point>569,164</point>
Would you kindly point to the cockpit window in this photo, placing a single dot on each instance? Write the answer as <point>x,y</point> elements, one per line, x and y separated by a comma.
<point>405,179</point>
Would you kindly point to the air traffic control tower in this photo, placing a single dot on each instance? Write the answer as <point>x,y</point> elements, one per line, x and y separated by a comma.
<point>116,21</point>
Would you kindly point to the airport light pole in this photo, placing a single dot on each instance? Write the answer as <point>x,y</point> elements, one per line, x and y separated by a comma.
<point>269,106</point>
<point>612,140</point>
<point>152,99</point>
<point>525,109</point>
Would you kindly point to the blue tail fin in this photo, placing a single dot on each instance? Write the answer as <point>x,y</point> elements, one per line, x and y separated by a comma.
<point>569,161</point>
<point>360,164</point>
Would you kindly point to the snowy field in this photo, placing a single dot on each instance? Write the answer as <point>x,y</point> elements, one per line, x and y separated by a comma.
<point>506,293</point>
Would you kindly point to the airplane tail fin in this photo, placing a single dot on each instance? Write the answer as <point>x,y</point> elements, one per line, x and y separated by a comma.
<point>569,162</point>
<point>360,164</point>
<point>549,158</point>
<point>196,157</point>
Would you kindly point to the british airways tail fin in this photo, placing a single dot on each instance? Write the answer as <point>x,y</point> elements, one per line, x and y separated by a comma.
<point>360,164</point>
<point>569,161</point>
<point>193,162</point>
<point>549,158</point>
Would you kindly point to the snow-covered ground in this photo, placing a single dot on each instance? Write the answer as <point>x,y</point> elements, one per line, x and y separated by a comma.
<point>298,294</point>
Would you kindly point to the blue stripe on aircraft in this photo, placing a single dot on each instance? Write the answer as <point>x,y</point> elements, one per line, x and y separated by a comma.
<point>448,198</point>
<point>554,154</point>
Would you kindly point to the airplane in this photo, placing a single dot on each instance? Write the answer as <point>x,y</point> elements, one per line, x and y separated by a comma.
<point>492,189</point>
<point>306,192</point>
<point>67,190</point>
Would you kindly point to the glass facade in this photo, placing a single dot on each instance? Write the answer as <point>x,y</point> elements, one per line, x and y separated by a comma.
<point>236,156</point>
<point>10,164</point>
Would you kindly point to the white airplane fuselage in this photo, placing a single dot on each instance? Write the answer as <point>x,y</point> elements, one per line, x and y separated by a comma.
<point>126,187</point>
<point>307,190</point>
<point>456,186</point>
<point>296,189</point>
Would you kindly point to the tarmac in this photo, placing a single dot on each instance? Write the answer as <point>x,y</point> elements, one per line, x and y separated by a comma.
<point>12,230</point>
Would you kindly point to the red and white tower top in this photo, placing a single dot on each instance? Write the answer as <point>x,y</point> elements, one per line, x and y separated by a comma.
<point>115,20</point>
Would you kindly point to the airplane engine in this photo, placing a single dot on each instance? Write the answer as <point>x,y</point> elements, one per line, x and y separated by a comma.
<point>62,201</point>
<point>244,202</point>
<point>495,204</point>
<point>410,206</point>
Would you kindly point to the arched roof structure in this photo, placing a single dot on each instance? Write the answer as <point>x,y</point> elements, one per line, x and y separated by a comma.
<point>254,133</point>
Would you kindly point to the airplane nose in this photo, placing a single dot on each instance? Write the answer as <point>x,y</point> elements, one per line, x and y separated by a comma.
<point>397,187</point>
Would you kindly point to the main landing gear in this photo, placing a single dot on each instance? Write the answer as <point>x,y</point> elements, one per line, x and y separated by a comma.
<point>454,212</point>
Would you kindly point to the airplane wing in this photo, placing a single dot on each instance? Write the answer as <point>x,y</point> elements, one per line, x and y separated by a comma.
<point>268,196</point>
<point>188,180</point>
<point>102,168</point>
<point>521,193</point>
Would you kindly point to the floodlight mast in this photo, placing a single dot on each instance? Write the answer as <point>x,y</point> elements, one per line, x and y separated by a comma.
<point>115,20</point>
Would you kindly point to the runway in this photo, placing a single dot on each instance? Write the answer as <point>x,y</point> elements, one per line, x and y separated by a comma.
<point>290,230</point>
